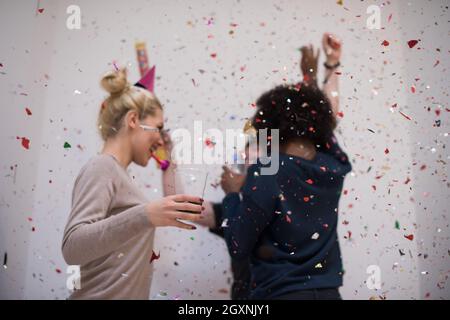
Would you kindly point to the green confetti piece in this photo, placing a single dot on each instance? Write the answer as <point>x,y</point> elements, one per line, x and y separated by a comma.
<point>192,238</point>
<point>67,145</point>
<point>397,225</point>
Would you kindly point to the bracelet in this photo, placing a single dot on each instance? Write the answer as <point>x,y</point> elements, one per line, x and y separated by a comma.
<point>326,65</point>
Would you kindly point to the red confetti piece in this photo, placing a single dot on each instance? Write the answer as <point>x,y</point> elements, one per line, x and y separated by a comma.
<point>412,43</point>
<point>410,237</point>
<point>385,43</point>
<point>28,111</point>
<point>309,181</point>
<point>437,62</point>
<point>390,18</point>
<point>25,142</point>
<point>154,256</point>
<point>413,89</point>
<point>340,114</point>
<point>423,167</point>
<point>58,270</point>
<point>374,188</point>
<point>386,151</point>
<point>209,143</point>
<point>40,10</point>
<point>407,117</point>
<point>33,229</point>
<point>213,55</point>
<point>306,199</point>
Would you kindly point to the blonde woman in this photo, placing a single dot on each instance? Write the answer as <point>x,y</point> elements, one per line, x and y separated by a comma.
<point>111,226</point>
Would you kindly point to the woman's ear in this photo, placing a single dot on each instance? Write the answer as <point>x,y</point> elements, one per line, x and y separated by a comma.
<point>132,119</point>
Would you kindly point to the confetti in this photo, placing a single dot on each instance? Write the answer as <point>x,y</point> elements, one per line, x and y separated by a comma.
<point>25,142</point>
<point>309,181</point>
<point>410,237</point>
<point>386,151</point>
<point>385,43</point>
<point>67,145</point>
<point>5,260</point>
<point>412,43</point>
<point>154,256</point>
<point>407,117</point>
<point>28,111</point>
<point>397,225</point>
<point>315,236</point>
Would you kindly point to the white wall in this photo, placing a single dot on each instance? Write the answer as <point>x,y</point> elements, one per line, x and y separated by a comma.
<point>264,41</point>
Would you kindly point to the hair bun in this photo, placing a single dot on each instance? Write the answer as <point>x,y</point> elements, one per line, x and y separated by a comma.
<point>115,82</point>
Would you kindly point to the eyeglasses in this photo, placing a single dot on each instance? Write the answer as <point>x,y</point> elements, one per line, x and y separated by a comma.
<point>153,129</point>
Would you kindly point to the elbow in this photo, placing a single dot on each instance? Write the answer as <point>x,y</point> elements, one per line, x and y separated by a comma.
<point>70,254</point>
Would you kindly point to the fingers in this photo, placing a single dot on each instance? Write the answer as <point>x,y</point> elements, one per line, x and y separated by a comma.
<point>182,225</point>
<point>186,206</point>
<point>194,217</point>
<point>186,198</point>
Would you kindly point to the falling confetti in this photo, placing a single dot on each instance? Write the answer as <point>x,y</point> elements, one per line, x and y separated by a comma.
<point>412,43</point>
<point>385,43</point>
<point>154,256</point>
<point>5,260</point>
<point>67,145</point>
<point>410,237</point>
<point>397,225</point>
<point>28,111</point>
<point>25,142</point>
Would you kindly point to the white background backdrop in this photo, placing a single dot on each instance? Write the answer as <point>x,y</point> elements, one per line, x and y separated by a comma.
<point>55,72</point>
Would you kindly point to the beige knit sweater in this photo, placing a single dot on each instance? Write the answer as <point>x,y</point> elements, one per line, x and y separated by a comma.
<point>108,233</point>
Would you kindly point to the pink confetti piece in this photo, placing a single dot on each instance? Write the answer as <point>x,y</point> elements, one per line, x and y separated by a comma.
<point>309,181</point>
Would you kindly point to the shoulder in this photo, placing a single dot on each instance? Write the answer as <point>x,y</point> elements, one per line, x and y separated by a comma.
<point>99,168</point>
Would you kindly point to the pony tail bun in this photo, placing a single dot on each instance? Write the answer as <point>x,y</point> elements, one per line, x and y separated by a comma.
<point>115,82</point>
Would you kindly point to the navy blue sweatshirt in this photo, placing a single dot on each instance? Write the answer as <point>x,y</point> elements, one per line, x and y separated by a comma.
<point>287,223</point>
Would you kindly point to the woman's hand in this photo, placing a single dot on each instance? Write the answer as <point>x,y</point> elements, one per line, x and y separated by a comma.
<point>231,181</point>
<point>308,64</point>
<point>332,46</point>
<point>167,211</point>
<point>209,220</point>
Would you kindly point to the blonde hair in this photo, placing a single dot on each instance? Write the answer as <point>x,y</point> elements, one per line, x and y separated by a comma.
<point>123,98</point>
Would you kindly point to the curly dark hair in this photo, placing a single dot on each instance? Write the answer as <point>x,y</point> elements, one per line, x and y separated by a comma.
<point>298,111</point>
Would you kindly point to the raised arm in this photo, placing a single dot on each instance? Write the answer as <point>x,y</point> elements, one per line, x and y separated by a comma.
<point>332,47</point>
